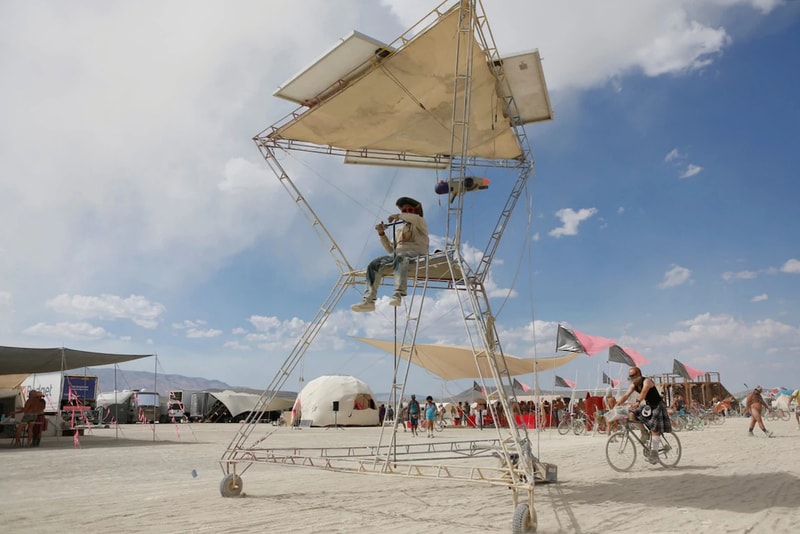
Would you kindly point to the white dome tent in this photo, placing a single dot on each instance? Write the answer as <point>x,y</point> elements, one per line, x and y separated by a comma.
<point>356,402</point>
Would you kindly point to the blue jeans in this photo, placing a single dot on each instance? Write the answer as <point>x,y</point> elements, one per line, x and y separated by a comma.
<point>377,267</point>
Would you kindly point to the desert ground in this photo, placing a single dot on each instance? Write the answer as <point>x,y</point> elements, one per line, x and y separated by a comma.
<point>166,479</point>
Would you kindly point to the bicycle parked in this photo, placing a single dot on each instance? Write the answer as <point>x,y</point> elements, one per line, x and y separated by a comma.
<point>575,423</point>
<point>621,447</point>
<point>776,414</point>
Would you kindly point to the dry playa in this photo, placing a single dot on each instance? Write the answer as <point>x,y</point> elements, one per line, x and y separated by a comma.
<point>166,480</point>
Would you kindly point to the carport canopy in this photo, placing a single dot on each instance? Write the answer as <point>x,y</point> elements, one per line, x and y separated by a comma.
<point>27,361</point>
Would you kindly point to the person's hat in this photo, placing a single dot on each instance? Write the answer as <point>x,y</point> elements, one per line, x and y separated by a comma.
<point>408,201</point>
<point>758,388</point>
<point>35,393</point>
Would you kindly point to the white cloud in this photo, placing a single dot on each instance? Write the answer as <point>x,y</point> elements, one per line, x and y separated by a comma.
<point>135,308</point>
<point>676,276</point>
<point>236,345</point>
<point>570,220</point>
<point>791,266</point>
<point>673,155</point>
<point>620,210</point>
<point>199,333</point>
<point>691,170</point>
<point>760,298</point>
<point>67,331</point>
<point>195,329</point>
<point>741,275</point>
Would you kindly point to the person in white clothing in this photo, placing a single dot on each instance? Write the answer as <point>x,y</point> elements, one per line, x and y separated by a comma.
<point>410,240</point>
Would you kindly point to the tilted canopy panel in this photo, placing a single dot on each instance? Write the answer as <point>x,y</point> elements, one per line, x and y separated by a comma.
<point>405,104</point>
<point>453,363</point>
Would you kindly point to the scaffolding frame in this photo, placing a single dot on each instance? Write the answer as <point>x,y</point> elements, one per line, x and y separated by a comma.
<point>519,469</point>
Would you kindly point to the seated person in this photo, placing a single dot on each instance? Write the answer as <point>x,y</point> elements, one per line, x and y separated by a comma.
<point>410,241</point>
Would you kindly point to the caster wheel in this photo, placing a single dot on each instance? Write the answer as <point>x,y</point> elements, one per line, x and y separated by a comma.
<point>524,520</point>
<point>231,486</point>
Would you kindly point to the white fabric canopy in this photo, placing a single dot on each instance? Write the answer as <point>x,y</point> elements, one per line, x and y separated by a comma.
<point>452,362</point>
<point>240,403</point>
<point>405,103</point>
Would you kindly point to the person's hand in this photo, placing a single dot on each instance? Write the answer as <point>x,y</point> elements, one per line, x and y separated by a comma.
<point>381,228</point>
<point>393,217</point>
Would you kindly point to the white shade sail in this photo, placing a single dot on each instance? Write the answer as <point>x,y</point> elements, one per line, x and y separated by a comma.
<point>453,362</point>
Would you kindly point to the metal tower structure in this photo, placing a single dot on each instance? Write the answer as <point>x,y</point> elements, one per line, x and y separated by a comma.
<point>456,133</point>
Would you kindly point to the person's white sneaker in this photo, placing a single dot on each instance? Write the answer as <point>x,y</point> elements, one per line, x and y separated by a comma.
<point>363,306</point>
<point>395,300</point>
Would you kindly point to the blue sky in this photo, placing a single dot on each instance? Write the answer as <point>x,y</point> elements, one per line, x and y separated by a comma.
<point>137,215</point>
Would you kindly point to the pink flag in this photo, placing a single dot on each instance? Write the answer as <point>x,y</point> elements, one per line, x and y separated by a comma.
<point>690,373</point>
<point>75,441</point>
<point>638,359</point>
<point>593,344</point>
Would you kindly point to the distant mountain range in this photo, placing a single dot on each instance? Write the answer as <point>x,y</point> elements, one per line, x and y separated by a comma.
<point>145,380</point>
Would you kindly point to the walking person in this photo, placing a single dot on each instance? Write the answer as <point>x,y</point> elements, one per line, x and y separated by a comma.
<point>796,397</point>
<point>410,240</point>
<point>430,415</point>
<point>413,414</point>
<point>755,405</point>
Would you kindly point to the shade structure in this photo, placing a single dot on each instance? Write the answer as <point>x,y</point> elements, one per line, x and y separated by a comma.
<point>689,373</point>
<point>18,360</point>
<point>404,103</point>
<point>452,362</point>
<point>574,341</point>
<point>626,355</point>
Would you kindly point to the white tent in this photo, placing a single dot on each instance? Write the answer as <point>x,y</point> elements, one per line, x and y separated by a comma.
<point>356,403</point>
<point>240,404</point>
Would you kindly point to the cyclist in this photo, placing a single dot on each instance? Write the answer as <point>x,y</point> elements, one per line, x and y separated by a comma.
<point>649,409</point>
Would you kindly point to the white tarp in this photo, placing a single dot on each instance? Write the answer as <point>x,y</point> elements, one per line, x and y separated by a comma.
<point>405,104</point>
<point>452,362</point>
<point>357,405</point>
<point>241,403</point>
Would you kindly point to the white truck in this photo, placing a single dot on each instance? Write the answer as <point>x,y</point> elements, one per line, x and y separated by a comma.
<point>73,396</point>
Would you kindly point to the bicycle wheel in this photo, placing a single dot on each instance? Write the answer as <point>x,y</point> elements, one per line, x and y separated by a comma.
<point>677,423</point>
<point>620,451</point>
<point>439,425</point>
<point>785,415</point>
<point>564,426</point>
<point>669,454</point>
<point>578,426</point>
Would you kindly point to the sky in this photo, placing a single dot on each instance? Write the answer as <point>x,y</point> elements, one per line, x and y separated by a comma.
<point>138,216</point>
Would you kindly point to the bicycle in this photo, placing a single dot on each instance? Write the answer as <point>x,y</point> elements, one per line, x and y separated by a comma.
<point>621,447</point>
<point>575,423</point>
<point>775,414</point>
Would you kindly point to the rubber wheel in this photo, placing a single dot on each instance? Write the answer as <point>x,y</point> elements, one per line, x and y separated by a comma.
<point>677,424</point>
<point>620,451</point>
<point>670,452</point>
<point>524,520</point>
<point>578,427</point>
<point>564,427</point>
<point>231,486</point>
